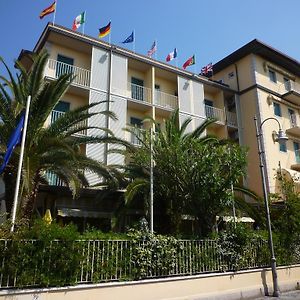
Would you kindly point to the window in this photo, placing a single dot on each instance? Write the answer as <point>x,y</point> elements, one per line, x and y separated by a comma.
<point>137,88</point>
<point>272,76</point>
<point>64,65</point>
<point>60,108</point>
<point>296,150</point>
<point>282,147</point>
<point>287,83</point>
<point>157,94</point>
<point>209,108</point>
<point>277,109</point>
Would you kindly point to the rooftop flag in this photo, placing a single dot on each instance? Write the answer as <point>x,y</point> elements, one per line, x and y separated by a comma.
<point>14,140</point>
<point>130,39</point>
<point>189,62</point>
<point>152,50</point>
<point>78,21</point>
<point>207,69</point>
<point>172,55</point>
<point>104,31</point>
<point>48,10</point>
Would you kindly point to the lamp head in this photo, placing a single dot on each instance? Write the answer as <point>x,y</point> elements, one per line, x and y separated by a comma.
<point>281,137</point>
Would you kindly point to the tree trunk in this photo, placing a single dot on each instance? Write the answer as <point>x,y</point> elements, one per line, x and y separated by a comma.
<point>28,202</point>
<point>9,178</point>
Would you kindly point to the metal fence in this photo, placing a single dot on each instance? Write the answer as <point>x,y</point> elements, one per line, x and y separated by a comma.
<point>26,263</point>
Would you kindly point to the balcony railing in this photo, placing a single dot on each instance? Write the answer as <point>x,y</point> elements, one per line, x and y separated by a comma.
<point>215,113</point>
<point>136,135</point>
<point>56,68</point>
<point>165,100</point>
<point>53,179</point>
<point>138,92</point>
<point>55,114</point>
<point>231,119</point>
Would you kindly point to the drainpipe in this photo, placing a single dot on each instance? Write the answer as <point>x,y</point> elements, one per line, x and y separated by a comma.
<point>108,104</point>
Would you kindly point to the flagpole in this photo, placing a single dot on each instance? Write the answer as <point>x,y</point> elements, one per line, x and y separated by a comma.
<point>83,26</point>
<point>54,15</point>
<point>134,40</point>
<point>109,39</point>
<point>156,49</point>
<point>15,203</point>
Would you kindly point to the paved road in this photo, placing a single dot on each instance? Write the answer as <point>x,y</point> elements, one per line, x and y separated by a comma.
<point>284,296</point>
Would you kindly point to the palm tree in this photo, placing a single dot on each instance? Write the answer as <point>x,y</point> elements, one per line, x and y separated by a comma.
<point>172,149</point>
<point>55,148</point>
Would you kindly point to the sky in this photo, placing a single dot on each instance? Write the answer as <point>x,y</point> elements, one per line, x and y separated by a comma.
<point>209,29</point>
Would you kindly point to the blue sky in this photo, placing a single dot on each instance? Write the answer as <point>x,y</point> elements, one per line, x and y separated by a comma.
<point>209,29</point>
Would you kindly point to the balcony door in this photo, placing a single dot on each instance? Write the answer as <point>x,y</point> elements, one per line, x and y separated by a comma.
<point>138,125</point>
<point>292,117</point>
<point>296,150</point>
<point>64,65</point>
<point>60,108</point>
<point>137,89</point>
<point>209,108</point>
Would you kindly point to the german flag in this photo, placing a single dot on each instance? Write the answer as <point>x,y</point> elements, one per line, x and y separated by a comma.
<point>48,10</point>
<point>104,31</point>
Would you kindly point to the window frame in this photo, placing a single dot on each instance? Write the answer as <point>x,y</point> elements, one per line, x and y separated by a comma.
<point>279,113</point>
<point>272,76</point>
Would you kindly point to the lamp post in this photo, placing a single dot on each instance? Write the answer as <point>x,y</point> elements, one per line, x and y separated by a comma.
<point>281,138</point>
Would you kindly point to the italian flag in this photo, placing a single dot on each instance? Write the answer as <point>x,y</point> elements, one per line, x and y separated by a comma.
<point>78,21</point>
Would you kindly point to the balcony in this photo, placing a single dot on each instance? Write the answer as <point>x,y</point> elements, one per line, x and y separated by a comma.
<point>231,119</point>
<point>139,92</point>
<point>291,92</point>
<point>53,179</point>
<point>57,114</point>
<point>215,113</point>
<point>294,129</point>
<point>296,166</point>
<point>55,68</point>
<point>165,100</point>
<point>136,135</point>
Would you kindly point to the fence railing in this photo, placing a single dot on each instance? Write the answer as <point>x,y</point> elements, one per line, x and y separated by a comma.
<point>27,263</point>
<point>56,68</point>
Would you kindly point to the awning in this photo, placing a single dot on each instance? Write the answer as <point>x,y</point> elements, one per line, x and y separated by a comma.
<point>228,219</point>
<point>79,213</point>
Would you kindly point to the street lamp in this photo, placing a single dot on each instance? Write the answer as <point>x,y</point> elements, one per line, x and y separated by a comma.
<point>280,138</point>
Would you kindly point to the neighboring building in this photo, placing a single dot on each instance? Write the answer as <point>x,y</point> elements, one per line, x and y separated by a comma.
<point>268,85</point>
<point>137,85</point>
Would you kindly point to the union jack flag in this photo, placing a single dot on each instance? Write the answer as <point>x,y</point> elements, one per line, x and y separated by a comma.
<point>152,49</point>
<point>207,69</point>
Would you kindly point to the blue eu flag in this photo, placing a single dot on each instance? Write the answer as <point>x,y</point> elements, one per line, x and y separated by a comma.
<point>130,39</point>
<point>14,140</point>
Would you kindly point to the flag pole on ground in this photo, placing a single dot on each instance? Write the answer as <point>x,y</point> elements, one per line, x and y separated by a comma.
<point>15,203</point>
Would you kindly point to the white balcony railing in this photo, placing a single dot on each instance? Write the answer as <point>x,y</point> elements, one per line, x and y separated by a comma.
<point>165,100</point>
<point>231,119</point>
<point>216,113</point>
<point>136,135</point>
<point>139,92</point>
<point>56,68</point>
<point>53,179</point>
<point>55,114</point>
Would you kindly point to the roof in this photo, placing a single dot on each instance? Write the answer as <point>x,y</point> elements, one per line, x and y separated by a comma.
<point>259,48</point>
<point>122,51</point>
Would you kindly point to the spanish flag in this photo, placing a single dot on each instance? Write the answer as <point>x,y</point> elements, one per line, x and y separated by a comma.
<point>48,10</point>
<point>104,31</point>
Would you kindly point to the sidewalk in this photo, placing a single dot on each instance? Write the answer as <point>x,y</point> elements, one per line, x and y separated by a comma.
<point>284,296</point>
